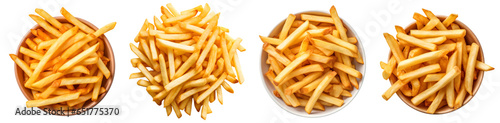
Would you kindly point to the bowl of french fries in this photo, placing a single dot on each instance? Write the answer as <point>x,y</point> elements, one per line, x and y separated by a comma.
<point>64,63</point>
<point>311,63</point>
<point>436,65</point>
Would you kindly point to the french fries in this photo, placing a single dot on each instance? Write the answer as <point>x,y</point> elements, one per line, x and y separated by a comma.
<point>191,59</point>
<point>304,61</point>
<point>64,68</point>
<point>432,61</point>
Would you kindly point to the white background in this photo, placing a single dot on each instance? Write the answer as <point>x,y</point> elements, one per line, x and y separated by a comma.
<point>248,19</point>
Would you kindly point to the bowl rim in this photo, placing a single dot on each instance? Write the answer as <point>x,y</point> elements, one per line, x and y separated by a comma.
<point>477,83</point>
<point>108,51</point>
<point>354,92</point>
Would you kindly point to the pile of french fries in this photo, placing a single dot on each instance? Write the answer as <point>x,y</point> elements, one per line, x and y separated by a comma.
<point>189,57</point>
<point>306,57</point>
<point>64,63</point>
<point>432,63</point>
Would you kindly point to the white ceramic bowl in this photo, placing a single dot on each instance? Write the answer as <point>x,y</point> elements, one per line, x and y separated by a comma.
<point>300,110</point>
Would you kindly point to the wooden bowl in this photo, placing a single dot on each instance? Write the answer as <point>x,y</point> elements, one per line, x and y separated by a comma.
<point>300,110</point>
<point>108,52</point>
<point>469,39</point>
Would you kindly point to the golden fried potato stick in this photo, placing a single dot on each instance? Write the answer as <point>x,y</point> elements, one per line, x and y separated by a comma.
<point>54,100</point>
<point>450,34</point>
<point>421,59</point>
<point>23,65</point>
<point>292,37</point>
<point>338,23</point>
<point>469,70</point>
<point>318,91</point>
<point>394,46</point>
<point>212,88</point>
<point>49,18</point>
<point>49,55</point>
<point>349,70</point>
<point>45,25</point>
<point>286,27</point>
<point>76,22</point>
<point>450,91</point>
<point>78,58</point>
<point>416,42</point>
<point>289,68</point>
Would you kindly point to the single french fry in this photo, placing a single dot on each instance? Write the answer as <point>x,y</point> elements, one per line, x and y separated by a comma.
<point>317,105</point>
<point>75,21</point>
<point>191,92</point>
<point>420,72</point>
<point>50,89</point>
<point>469,70</point>
<point>97,87</point>
<point>420,18</point>
<point>389,67</point>
<point>270,75</point>
<point>394,46</point>
<point>332,47</point>
<point>239,70</point>
<point>318,91</point>
<point>279,57</point>
<point>289,68</point>
<point>435,40</point>
<point>289,40</point>
<point>103,30</point>
<point>207,48</point>
<point>78,58</point>
<point>163,69</point>
<point>186,65</point>
<point>450,75</point>
<point>297,86</point>
<point>450,19</point>
<point>437,101</point>
<point>79,80</point>
<point>212,88</point>
<point>449,89</point>
<point>482,66</point>
<point>273,41</point>
<point>177,46</point>
<point>196,83</point>
<point>304,70</point>
<point>434,77</point>
<point>330,99</point>
<point>316,18</point>
<point>227,60</point>
<point>349,70</point>
<point>48,17</point>
<point>312,85</point>
<point>54,100</point>
<point>431,15</point>
<point>180,80</point>
<point>416,42</point>
<point>338,23</point>
<point>23,65</point>
<point>286,27</point>
<point>460,97</point>
<point>353,48</point>
<point>45,25</point>
<point>174,37</point>
<point>431,24</point>
<point>420,59</point>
